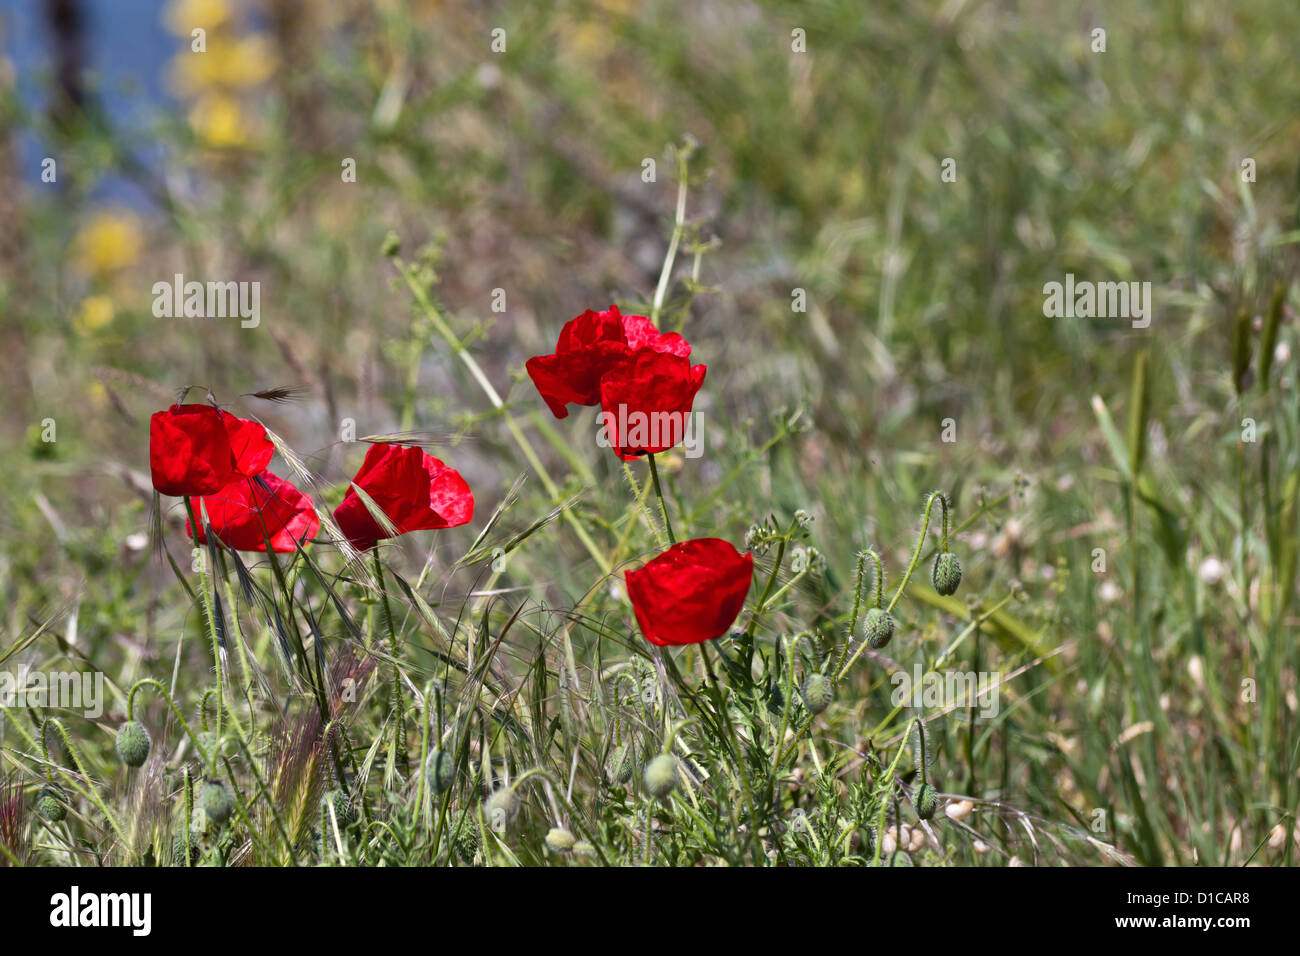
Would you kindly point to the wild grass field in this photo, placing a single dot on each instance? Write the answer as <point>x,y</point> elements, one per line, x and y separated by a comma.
<point>852,213</point>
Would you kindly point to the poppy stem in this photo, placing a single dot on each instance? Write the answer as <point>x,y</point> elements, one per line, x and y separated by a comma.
<point>663,505</point>
<point>205,600</point>
<point>679,225</point>
<point>439,323</point>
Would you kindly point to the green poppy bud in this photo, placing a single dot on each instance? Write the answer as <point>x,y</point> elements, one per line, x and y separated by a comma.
<point>501,807</point>
<point>467,844</point>
<point>132,744</point>
<point>215,802</point>
<point>661,776</point>
<point>559,840</point>
<point>178,850</point>
<point>619,767</point>
<point>927,801</point>
<point>50,804</point>
<point>878,626</point>
<point>817,693</point>
<point>440,770</point>
<point>342,804</point>
<point>946,575</point>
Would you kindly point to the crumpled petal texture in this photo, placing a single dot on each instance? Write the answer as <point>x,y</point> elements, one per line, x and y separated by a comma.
<point>652,394</point>
<point>197,450</point>
<point>588,347</point>
<point>249,511</point>
<point>690,593</point>
<point>415,491</point>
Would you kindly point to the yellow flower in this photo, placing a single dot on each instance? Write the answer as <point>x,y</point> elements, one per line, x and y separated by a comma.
<point>218,121</point>
<point>183,16</point>
<point>229,63</point>
<point>110,241</point>
<point>95,313</point>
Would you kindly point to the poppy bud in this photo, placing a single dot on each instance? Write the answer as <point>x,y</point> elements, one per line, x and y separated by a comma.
<point>440,770</point>
<point>49,804</point>
<point>946,575</point>
<point>878,627</point>
<point>391,245</point>
<point>661,776</point>
<point>178,850</point>
<point>342,804</point>
<point>927,801</point>
<point>467,845</point>
<point>215,802</point>
<point>501,807</point>
<point>818,693</point>
<point>559,840</point>
<point>621,764</point>
<point>132,743</point>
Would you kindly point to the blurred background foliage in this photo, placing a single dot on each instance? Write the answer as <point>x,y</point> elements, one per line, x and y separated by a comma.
<point>819,171</point>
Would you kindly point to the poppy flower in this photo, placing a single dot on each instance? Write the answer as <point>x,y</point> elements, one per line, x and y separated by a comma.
<point>690,593</point>
<point>248,511</point>
<point>412,488</point>
<point>646,401</point>
<point>197,450</point>
<point>588,347</point>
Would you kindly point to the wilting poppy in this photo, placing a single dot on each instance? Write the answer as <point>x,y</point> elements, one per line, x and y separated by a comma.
<point>198,450</point>
<point>412,488</point>
<point>690,593</point>
<point>248,511</point>
<point>646,401</point>
<point>589,346</point>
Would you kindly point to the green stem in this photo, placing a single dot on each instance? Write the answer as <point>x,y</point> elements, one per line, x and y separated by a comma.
<point>663,505</point>
<point>162,691</point>
<point>443,329</point>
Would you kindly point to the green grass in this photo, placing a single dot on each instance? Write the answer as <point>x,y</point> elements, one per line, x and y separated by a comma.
<point>1124,731</point>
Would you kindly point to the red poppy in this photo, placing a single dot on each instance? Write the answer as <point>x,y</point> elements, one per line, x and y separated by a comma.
<point>413,489</point>
<point>198,450</point>
<point>646,401</point>
<point>248,511</point>
<point>690,593</point>
<point>589,346</point>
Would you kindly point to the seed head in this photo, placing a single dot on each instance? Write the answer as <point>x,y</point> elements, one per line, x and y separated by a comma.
<point>215,802</point>
<point>661,776</point>
<point>559,840</point>
<point>440,770</point>
<point>946,575</point>
<point>49,804</point>
<point>878,626</point>
<point>927,801</point>
<point>342,804</point>
<point>132,744</point>
<point>818,692</point>
<point>501,807</point>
